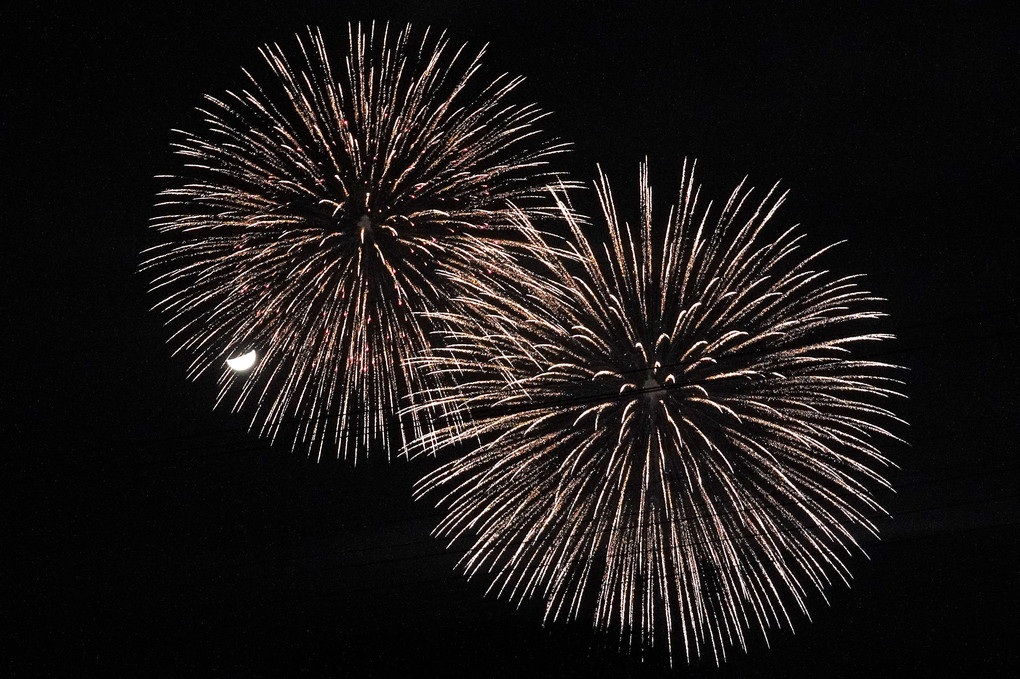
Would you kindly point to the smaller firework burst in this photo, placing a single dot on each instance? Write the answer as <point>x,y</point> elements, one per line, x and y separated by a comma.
<point>324,205</point>
<point>669,431</point>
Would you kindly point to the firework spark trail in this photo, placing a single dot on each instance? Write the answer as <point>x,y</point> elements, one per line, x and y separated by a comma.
<point>726,474</point>
<point>320,209</point>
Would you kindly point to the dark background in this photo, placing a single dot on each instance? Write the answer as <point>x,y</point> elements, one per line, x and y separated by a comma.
<point>147,533</point>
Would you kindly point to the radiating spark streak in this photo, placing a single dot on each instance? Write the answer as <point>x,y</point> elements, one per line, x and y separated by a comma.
<point>322,207</point>
<point>676,442</point>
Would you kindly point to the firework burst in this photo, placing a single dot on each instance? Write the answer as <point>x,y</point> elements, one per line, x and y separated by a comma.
<point>322,207</point>
<point>676,439</point>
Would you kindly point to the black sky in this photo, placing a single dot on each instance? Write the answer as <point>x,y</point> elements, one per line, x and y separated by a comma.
<point>147,532</point>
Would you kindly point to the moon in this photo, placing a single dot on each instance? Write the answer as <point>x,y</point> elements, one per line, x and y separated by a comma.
<point>242,362</point>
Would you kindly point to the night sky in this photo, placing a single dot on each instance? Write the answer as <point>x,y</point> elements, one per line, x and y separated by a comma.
<point>145,532</point>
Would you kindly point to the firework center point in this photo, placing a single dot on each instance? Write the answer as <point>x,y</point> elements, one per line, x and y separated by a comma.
<point>651,386</point>
<point>365,226</point>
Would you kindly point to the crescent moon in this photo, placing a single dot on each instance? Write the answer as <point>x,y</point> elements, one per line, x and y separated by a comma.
<point>242,362</point>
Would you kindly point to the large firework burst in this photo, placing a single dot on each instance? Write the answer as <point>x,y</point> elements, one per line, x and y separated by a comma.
<point>676,438</point>
<point>320,209</point>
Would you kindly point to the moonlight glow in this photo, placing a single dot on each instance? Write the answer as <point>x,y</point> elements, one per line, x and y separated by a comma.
<point>242,362</point>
